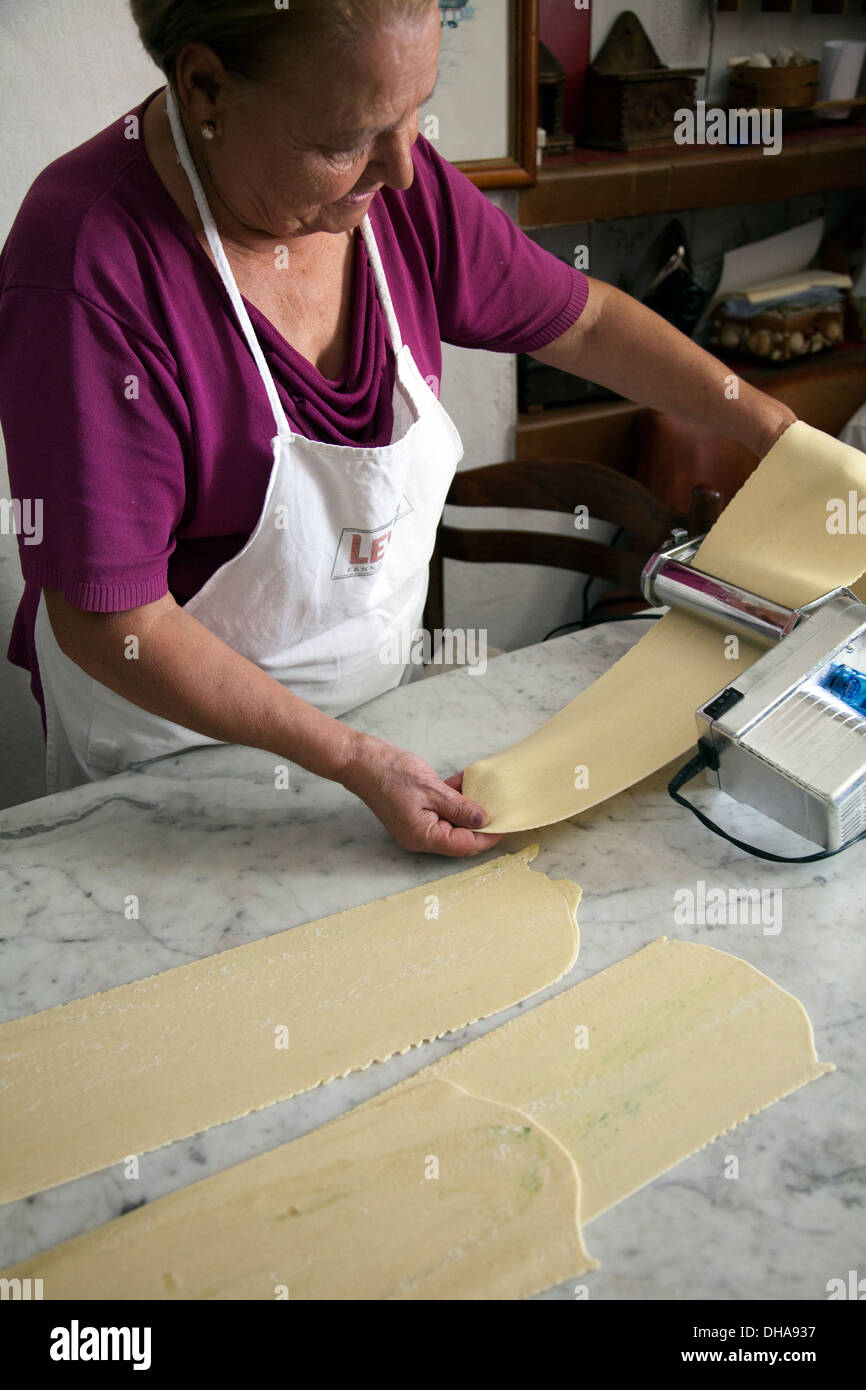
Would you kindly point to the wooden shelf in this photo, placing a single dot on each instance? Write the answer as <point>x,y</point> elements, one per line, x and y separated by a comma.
<point>595,185</point>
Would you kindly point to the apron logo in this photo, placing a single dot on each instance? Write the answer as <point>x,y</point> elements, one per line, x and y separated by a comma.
<point>363,552</point>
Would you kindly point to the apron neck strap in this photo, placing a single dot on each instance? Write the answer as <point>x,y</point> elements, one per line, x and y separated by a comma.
<point>381,285</point>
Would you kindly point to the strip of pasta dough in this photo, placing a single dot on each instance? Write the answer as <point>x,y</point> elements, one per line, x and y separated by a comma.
<point>639,1066</point>
<point>427,1194</point>
<point>775,538</point>
<point>87,1083</point>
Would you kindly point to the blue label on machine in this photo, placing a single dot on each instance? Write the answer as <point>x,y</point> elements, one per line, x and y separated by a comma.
<point>847,685</point>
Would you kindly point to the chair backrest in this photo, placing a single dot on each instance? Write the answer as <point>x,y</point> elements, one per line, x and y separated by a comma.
<point>562,485</point>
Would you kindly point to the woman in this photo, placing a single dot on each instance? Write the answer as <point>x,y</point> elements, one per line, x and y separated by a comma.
<point>229,306</point>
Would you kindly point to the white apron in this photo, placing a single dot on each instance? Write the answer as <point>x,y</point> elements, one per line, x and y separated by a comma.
<point>334,572</point>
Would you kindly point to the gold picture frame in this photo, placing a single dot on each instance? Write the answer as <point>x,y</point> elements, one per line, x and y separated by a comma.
<point>479,96</point>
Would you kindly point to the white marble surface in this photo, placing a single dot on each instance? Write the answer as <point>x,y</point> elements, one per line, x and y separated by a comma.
<point>218,857</point>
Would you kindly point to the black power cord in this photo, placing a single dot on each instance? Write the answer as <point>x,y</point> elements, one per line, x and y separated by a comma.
<point>706,757</point>
<point>601,622</point>
<point>586,620</point>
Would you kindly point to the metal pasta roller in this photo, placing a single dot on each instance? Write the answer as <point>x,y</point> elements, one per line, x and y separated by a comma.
<point>788,736</point>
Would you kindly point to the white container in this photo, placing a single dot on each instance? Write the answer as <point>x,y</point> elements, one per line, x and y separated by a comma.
<point>841,61</point>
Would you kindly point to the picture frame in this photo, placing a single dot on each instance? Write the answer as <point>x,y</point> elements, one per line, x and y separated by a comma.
<point>484,115</point>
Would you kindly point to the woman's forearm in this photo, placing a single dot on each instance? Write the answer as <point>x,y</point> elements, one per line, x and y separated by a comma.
<point>621,344</point>
<point>184,673</point>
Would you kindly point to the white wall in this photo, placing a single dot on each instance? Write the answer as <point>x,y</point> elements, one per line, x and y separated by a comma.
<point>67,71</point>
<point>677,29</point>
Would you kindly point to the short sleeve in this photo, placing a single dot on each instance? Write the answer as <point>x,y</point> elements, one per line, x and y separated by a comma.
<point>96,430</point>
<point>495,288</point>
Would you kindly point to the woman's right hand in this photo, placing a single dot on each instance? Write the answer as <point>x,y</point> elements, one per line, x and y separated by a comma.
<point>418,809</point>
<point>186,674</point>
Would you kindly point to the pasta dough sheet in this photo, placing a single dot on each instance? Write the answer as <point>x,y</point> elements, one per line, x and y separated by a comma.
<point>683,1042</point>
<point>141,1065</point>
<point>355,1210</point>
<point>640,715</point>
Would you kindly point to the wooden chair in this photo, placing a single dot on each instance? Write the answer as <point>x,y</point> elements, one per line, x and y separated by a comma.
<point>560,485</point>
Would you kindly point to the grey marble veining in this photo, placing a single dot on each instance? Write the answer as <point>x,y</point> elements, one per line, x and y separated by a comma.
<point>218,857</point>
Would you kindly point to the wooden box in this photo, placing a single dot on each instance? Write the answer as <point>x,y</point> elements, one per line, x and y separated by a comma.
<point>631,97</point>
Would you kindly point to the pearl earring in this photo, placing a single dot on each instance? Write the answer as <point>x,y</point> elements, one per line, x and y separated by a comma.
<point>208,130</point>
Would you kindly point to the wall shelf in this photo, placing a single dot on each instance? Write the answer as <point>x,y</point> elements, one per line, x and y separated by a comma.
<point>592,185</point>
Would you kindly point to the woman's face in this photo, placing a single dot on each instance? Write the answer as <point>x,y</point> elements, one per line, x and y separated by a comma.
<point>308,153</point>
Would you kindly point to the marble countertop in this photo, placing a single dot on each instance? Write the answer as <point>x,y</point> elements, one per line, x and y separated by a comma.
<point>219,857</point>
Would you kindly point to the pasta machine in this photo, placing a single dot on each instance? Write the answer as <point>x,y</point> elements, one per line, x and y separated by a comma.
<point>788,735</point>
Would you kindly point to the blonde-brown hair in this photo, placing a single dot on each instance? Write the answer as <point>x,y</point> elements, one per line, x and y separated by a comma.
<point>252,37</point>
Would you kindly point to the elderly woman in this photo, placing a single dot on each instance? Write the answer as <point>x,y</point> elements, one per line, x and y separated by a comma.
<point>228,308</point>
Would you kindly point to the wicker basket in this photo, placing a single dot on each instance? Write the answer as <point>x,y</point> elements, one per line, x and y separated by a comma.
<point>773,87</point>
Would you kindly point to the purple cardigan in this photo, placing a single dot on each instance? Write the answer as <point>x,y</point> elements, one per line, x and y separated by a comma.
<point>130,403</point>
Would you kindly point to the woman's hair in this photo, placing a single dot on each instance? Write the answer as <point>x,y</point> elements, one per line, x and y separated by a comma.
<point>253,37</point>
